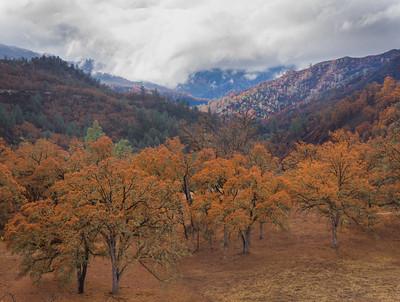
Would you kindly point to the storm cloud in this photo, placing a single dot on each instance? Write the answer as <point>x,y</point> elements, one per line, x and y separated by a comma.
<point>165,40</point>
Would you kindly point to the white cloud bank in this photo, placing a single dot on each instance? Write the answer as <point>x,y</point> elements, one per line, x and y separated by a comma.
<point>165,40</point>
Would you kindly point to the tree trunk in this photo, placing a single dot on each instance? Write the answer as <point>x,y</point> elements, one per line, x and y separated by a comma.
<point>192,228</point>
<point>81,269</point>
<point>261,235</point>
<point>182,221</point>
<point>198,240</point>
<point>186,189</point>
<point>246,240</point>
<point>210,241</point>
<point>226,237</point>
<point>248,235</point>
<point>114,267</point>
<point>185,231</point>
<point>115,280</point>
<point>81,277</point>
<point>334,225</point>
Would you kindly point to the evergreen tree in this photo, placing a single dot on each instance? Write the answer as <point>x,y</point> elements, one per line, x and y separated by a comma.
<point>93,133</point>
<point>122,148</point>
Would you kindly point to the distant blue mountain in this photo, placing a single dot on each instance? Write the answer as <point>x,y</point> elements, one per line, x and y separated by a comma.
<point>12,52</point>
<point>216,83</point>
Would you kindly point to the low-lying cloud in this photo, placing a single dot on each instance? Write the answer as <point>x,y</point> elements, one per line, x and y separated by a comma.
<point>165,40</point>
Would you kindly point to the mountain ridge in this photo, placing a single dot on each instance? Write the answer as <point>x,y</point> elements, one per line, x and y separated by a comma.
<point>324,79</point>
<point>14,52</point>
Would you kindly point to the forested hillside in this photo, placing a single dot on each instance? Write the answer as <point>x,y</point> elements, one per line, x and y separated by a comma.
<point>367,112</point>
<point>48,97</point>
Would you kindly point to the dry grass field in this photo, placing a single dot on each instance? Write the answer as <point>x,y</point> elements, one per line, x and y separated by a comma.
<point>293,265</point>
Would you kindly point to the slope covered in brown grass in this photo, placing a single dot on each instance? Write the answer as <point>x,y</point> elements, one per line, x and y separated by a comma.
<point>293,265</point>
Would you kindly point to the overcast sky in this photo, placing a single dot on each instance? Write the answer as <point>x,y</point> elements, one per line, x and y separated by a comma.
<point>165,40</point>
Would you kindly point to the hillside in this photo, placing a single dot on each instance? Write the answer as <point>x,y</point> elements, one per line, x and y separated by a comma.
<point>47,96</point>
<point>370,112</point>
<point>324,80</point>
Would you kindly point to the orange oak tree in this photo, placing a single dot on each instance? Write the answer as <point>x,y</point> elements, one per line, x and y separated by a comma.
<point>11,195</point>
<point>235,194</point>
<point>256,196</point>
<point>135,213</point>
<point>386,170</point>
<point>262,158</point>
<point>104,204</point>
<point>38,166</point>
<point>171,162</point>
<point>334,182</point>
<point>211,205</point>
<point>50,238</point>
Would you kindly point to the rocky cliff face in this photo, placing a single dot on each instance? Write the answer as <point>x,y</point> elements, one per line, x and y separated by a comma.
<point>325,79</point>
